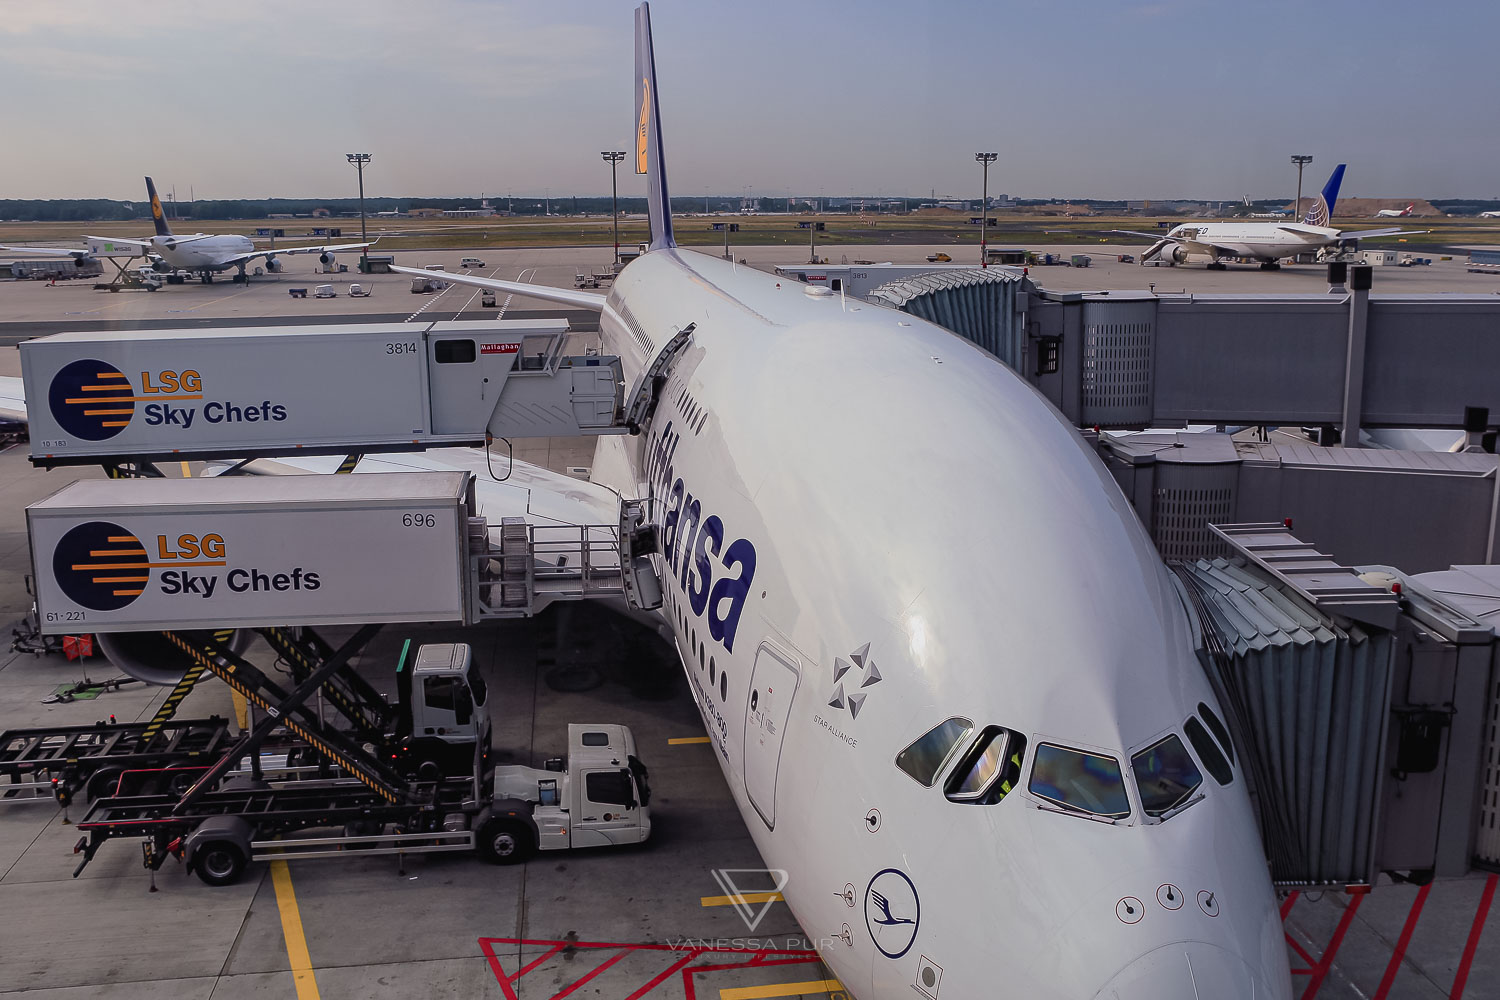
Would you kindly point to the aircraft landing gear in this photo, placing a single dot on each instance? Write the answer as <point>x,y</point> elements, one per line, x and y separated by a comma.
<point>240,278</point>
<point>1270,265</point>
<point>206,277</point>
<point>1217,265</point>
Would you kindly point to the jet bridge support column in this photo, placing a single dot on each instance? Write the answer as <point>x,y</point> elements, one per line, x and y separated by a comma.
<point>1354,364</point>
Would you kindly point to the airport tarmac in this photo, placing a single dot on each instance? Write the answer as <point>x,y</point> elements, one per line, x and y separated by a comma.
<point>648,922</point>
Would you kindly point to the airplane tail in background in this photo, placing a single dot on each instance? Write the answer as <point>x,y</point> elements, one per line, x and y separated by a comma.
<point>648,158</point>
<point>162,229</point>
<point>1322,209</point>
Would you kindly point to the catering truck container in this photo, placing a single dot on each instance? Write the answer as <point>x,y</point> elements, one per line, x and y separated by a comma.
<point>244,551</point>
<point>247,392</point>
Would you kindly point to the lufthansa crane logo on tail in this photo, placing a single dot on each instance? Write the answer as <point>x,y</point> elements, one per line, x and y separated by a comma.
<point>91,400</point>
<point>892,912</point>
<point>640,133</point>
<point>101,566</point>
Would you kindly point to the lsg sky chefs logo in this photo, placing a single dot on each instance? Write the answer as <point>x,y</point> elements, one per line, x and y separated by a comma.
<point>104,567</point>
<point>95,401</point>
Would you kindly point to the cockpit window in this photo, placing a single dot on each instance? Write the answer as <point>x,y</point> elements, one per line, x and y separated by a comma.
<point>1208,751</point>
<point>1075,779</point>
<point>1220,731</point>
<point>925,758</point>
<point>988,769</point>
<point>1166,776</point>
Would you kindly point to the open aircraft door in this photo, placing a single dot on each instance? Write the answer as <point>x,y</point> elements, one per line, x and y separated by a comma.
<point>773,683</point>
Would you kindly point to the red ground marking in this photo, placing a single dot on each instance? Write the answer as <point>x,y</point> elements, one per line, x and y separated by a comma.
<point>1405,939</point>
<point>1485,899</point>
<point>754,958</point>
<point>1317,970</point>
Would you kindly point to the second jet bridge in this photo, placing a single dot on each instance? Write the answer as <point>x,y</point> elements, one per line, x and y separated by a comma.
<point>146,395</point>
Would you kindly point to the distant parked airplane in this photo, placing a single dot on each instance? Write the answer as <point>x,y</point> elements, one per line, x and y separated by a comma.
<point>1392,213</point>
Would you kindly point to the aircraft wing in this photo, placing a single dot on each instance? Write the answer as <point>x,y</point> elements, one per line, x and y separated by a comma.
<point>254,254</point>
<point>130,243</point>
<point>1370,234</point>
<point>1149,236</point>
<point>49,251</point>
<point>12,399</point>
<point>547,293</point>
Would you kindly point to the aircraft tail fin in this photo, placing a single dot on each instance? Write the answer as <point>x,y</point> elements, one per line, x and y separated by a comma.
<point>1322,209</point>
<point>157,217</point>
<point>648,155</point>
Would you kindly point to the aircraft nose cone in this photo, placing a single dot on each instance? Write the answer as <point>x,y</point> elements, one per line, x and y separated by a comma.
<point>1188,970</point>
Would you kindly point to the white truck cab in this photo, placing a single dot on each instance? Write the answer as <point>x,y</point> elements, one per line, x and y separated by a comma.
<point>598,797</point>
<point>445,710</point>
<point>472,262</point>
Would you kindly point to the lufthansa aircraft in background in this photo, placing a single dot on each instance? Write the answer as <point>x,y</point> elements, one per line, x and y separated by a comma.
<point>202,254</point>
<point>1267,242</point>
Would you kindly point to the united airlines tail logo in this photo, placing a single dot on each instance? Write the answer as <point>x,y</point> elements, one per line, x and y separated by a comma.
<point>101,566</point>
<point>645,123</point>
<point>1318,214</point>
<point>91,400</point>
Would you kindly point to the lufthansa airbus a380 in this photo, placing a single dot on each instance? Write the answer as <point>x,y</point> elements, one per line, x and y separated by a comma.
<point>946,675</point>
<point>943,668</point>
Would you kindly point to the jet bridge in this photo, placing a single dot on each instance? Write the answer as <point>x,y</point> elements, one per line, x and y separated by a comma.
<point>1360,699</point>
<point>147,395</point>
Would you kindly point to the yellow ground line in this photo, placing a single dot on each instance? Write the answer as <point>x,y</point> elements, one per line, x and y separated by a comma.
<point>187,472</point>
<point>815,987</point>
<point>744,897</point>
<point>682,740</point>
<point>291,929</point>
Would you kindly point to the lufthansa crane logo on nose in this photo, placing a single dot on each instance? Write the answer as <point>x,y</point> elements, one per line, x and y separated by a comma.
<point>892,912</point>
<point>101,566</point>
<point>91,400</point>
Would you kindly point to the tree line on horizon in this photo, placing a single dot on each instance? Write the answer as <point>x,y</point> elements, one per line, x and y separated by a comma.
<point>109,210</point>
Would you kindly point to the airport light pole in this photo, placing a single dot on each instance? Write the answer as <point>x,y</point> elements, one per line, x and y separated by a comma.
<point>984,208</point>
<point>1300,161</point>
<point>359,160</point>
<point>614,156</point>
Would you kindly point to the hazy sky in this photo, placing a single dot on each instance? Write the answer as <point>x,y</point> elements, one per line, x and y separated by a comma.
<point>250,98</point>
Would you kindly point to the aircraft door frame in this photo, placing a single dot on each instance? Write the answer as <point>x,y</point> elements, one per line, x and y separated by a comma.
<point>767,709</point>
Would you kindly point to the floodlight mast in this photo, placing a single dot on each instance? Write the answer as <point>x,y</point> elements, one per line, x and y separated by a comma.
<point>984,208</point>
<point>614,156</point>
<point>359,160</point>
<point>1300,161</point>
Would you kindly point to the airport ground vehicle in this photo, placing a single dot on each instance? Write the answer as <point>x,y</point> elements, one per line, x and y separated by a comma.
<point>938,258</point>
<point>472,262</point>
<point>441,795</point>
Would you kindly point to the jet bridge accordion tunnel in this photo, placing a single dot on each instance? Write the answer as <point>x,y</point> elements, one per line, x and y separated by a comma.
<point>1364,702</point>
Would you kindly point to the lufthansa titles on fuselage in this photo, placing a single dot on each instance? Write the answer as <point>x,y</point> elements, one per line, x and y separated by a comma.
<point>694,548</point>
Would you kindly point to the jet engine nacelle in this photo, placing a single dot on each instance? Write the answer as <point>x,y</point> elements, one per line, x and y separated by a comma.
<point>326,258</point>
<point>152,657</point>
<point>1167,251</point>
<point>273,265</point>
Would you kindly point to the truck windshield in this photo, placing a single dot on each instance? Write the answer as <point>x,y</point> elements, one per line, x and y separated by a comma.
<point>1076,779</point>
<point>1165,775</point>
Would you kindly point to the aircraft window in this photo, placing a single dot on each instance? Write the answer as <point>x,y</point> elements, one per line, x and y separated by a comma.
<point>989,769</point>
<point>1220,731</point>
<point>608,787</point>
<point>724,687</point>
<point>712,672</point>
<point>924,759</point>
<point>453,352</point>
<point>1165,775</point>
<point>1208,751</point>
<point>1076,779</point>
<point>595,739</point>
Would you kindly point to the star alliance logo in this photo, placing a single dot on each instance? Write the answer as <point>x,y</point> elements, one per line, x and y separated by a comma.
<point>868,674</point>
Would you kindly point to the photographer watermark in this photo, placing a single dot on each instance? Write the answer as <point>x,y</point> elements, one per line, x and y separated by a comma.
<point>752,904</point>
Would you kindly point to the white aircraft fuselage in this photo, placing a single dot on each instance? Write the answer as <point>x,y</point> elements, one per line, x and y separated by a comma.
<point>200,252</point>
<point>869,526</point>
<point>1267,241</point>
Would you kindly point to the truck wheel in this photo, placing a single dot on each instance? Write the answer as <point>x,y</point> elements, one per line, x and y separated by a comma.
<point>505,842</point>
<point>102,783</point>
<point>219,862</point>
